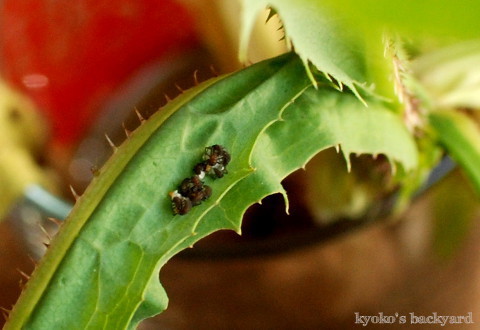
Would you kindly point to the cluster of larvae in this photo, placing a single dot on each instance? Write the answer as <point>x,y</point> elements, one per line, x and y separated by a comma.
<point>193,191</point>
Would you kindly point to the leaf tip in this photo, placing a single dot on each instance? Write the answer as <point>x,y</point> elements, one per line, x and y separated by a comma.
<point>285,199</point>
<point>271,12</point>
<point>287,206</point>
<point>358,95</point>
<point>346,156</point>
<point>309,72</point>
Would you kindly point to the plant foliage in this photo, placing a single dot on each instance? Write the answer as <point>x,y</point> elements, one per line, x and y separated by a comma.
<point>107,256</point>
<point>272,117</point>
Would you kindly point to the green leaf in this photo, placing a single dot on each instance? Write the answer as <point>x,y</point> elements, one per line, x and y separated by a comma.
<point>107,256</point>
<point>442,19</point>
<point>101,271</point>
<point>451,75</point>
<point>317,120</point>
<point>461,137</point>
<point>317,38</point>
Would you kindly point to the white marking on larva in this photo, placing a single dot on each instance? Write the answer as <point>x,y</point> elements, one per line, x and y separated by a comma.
<point>174,194</point>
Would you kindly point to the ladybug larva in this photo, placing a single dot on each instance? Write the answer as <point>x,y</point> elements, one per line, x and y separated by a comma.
<point>180,204</point>
<point>215,159</point>
<point>192,191</point>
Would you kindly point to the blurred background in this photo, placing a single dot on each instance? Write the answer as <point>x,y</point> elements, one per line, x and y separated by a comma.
<point>71,73</point>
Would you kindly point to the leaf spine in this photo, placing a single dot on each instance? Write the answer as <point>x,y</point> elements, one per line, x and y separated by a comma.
<point>34,262</point>
<point>180,89</point>
<point>195,77</point>
<point>23,274</point>
<point>74,193</point>
<point>114,147</point>
<point>5,313</point>
<point>49,237</point>
<point>128,132</point>
<point>55,221</point>
<point>140,117</point>
<point>214,71</point>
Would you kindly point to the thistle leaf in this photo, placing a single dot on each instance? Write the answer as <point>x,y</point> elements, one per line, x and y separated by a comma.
<point>316,37</point>
<point>107,256</point>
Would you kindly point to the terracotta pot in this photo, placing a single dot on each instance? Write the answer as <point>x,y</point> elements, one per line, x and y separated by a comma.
<point>387,268</point>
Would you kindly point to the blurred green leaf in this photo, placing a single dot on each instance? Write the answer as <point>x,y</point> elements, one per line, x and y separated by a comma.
<point>441,19</point>
<point>451,75</point>
<point>461,137</point>
<point>343,38</point>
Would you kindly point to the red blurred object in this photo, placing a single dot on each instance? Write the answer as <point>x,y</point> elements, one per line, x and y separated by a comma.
<point>69,56</point>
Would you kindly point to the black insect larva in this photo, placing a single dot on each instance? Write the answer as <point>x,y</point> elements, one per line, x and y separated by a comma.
<point>200,168</point>
<point>180,204</point>
<point>192,191</point>
<point>190,185</point>
<point>216,158</point>
<point>207,192</point>
<point>216,154</point>
<point>199,196</point>
<point>218,171</point>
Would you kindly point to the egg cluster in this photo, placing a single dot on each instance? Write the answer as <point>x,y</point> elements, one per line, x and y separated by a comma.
<point>193,191</point>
